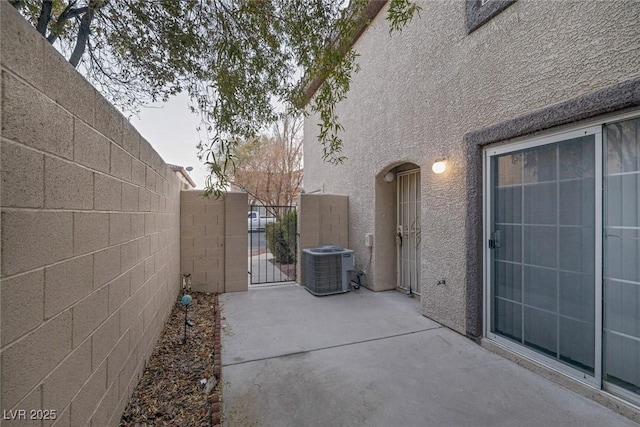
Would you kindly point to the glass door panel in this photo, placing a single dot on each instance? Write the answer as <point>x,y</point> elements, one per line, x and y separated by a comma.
<point>543,250</point>
<point>622,255</point>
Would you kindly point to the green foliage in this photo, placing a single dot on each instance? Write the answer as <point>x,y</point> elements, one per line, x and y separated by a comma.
<point>290,230</point>
<point>281,238</point>
<point>233,57</point>
<point>400,13</point>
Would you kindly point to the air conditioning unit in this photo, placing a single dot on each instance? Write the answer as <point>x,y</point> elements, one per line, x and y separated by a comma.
<point>327,269</point>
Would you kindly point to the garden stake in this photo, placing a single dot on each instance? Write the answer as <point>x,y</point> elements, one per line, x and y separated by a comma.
<point>186,300</point>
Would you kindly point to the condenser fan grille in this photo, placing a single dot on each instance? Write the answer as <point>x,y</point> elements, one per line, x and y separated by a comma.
<point>327,269</point>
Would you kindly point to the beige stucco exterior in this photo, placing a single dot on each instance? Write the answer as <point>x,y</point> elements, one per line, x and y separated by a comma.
<point>420,91</point>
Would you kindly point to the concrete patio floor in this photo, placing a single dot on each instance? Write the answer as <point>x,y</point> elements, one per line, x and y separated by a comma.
<point>262,271</point>
<point>370,359</point>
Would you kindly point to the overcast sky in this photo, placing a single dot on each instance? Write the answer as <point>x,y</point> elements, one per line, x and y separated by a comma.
<point>171,129</point>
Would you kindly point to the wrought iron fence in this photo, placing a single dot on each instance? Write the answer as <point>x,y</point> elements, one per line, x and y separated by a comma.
<point>273,244</point>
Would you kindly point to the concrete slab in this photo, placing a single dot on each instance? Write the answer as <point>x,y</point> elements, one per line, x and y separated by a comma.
<point>263,271</point>
<point>371,359</point>
<point>280,320</point>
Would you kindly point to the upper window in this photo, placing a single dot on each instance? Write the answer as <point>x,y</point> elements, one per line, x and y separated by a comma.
<point>481,11</point>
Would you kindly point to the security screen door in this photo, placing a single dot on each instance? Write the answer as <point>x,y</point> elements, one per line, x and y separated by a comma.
<point>408,230</point>
<point>563,252</point>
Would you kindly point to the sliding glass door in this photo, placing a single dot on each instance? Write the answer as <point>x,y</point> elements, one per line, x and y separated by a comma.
<point>622,257</point>
<point>562,276</point>
<point>542,237</point>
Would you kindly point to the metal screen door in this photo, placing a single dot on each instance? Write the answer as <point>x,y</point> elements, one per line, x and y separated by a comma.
<point>408,231</point>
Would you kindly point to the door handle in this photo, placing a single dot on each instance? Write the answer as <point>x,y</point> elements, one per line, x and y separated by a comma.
<point>494,242</point>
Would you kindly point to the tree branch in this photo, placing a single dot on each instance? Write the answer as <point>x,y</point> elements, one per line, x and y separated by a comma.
<point>45,17</point>
<point>84,30</point>
<point>83,36</point>
<point>68,13</point>
<point>96,61</point>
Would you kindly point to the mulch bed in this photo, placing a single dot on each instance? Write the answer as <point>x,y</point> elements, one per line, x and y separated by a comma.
<point>180,385</point>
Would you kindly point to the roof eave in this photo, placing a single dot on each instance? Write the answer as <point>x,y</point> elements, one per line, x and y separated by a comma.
<point>370,12</point>
<point>182,171</point>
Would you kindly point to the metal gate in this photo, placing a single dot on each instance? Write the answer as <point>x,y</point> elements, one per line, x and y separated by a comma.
<point>273,244</point>
<point>408,231</point>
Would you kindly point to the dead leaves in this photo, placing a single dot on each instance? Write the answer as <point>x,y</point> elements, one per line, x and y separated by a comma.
<point>170,392</point>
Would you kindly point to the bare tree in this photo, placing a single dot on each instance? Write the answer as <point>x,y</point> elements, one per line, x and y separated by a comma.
<point>269,168</point>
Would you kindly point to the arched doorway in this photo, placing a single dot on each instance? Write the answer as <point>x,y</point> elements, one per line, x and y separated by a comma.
<point>398,228</point>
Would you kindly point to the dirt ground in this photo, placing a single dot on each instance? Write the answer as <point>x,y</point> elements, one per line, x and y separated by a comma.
<point>176,386</point>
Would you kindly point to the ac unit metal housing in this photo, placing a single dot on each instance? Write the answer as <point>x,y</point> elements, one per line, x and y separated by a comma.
<point>327,269</point>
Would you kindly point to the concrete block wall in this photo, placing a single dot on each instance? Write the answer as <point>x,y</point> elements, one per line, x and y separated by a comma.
<point>90,230</point>
<point>213,241</point>
<point>323,219</point>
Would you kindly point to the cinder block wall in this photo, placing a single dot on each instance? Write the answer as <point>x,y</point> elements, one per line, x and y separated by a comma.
<point>323,219</point>
<point>213,241</point>
<point>90,246</point>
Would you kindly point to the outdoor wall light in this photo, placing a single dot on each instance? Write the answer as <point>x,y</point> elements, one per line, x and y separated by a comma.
<point>439,165</point>
<point>389,176</point>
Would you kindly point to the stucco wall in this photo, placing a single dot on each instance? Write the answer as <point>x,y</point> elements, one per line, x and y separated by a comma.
<point>213,241</point>
<point>420,91</point>
<point>323,219</point>
<point>90,239</point>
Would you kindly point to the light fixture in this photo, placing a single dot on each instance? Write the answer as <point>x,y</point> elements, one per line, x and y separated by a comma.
<point>388,177</point>
<point>439,165</point>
